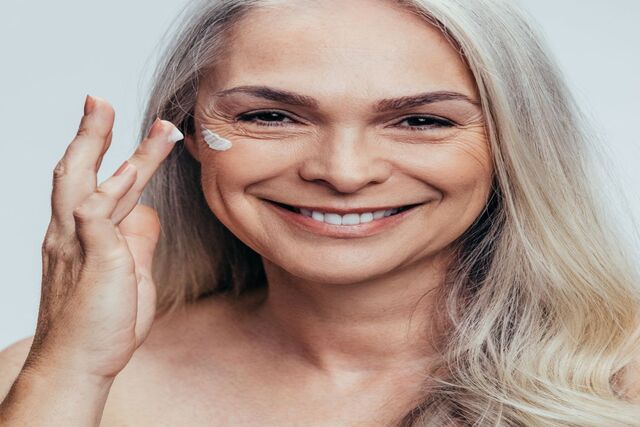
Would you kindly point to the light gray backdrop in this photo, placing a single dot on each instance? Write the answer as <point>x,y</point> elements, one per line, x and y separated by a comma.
<point>54,53</point>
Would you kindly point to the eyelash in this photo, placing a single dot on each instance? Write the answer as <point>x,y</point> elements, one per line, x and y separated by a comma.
<point>249,117</point>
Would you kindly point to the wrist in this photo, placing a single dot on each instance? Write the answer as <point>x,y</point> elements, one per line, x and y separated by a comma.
<point>48,395</point>
<point>68,379</point>
<point>65,366</point>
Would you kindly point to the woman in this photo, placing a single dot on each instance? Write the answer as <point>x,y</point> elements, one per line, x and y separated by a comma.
<point>381,213</point>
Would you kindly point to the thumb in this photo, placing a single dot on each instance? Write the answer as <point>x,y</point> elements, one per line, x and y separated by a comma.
<point>141,229</point>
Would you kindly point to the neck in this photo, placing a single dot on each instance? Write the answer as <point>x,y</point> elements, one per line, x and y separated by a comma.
<point>381,325</point>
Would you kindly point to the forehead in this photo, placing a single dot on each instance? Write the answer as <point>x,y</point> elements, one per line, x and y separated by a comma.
<point>336,47</point>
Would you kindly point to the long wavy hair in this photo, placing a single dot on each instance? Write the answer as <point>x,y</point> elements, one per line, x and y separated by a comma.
<point>542,303</point>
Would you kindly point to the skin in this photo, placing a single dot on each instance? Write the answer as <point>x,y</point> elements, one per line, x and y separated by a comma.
<point>343,315</point>
<point>342,336</point>
<point>343,154</point>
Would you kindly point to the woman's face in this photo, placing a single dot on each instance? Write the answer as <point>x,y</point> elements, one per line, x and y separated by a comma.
<point>343,148</point>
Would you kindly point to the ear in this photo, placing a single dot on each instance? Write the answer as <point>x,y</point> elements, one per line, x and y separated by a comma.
<point>192,146</point>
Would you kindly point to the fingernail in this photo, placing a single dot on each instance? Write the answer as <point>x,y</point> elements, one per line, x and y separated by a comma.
<point>153,129</point>
<point>125,166</point>
<point>175,134</point>
<point>167,128</point>
<point>89,104</point>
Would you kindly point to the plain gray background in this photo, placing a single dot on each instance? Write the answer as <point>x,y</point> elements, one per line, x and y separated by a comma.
<point>54,53</point>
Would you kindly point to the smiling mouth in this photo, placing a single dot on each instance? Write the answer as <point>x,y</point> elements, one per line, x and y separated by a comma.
<point>346,219</point>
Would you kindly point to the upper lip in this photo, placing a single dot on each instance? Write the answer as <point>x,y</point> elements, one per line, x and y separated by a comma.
<point>342,211</point>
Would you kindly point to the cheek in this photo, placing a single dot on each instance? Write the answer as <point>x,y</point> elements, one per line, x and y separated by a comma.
<point>248,162</point>
<point>454,168</point>
<point>460,173</point>
<point>462,168</point>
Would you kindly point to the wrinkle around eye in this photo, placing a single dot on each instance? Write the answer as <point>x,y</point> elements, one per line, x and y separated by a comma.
<point>455,135</point>
<point>250,130</point>
<point>210,113</point>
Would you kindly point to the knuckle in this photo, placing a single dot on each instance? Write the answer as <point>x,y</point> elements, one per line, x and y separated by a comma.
<point>102,191</point>
<point>49,244</point>
<point>104,195</point>
<point>83,130</point>
<point>59,247</point>
<point>143,155</point>
<point>143,152</point>
<point>53,239</point>
<point>60,170</point>
<point>87,209</point>
<point>83,212</point>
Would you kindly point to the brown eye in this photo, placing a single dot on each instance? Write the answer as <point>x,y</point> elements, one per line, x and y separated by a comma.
<point>426,122</point>
<point>265,118</point>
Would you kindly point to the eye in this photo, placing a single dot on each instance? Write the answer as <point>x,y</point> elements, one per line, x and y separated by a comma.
<point>265,118</point>
<point>276,118</point>
<point>417,123</point>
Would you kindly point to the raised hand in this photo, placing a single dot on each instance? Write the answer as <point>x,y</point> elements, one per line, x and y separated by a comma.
<point>98,298</point>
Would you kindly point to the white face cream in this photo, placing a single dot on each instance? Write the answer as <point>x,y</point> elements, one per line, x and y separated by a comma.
<point>215,141</point>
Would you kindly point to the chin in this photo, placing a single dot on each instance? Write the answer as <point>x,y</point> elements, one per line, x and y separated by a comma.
<point>332,274</point>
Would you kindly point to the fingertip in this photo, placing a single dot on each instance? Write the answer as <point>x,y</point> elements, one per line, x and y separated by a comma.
<point>89,104</point>
<point>98,99</point>
<point>166,130</point>
<point>101,119</point>
<point>102,107</point>
<point>155,129</point>
<point>175,134</point>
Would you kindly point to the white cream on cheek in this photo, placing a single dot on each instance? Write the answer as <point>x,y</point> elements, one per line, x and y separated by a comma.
<point>215,141</point>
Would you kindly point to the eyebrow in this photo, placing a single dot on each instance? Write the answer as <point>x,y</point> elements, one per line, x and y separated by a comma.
<point>383,105</point>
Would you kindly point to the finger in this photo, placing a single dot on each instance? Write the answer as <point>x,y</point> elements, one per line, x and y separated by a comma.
<point>104,151</point>
<point>141,230</point>
<point>97,235</point>
<point>147,297</point>
<point>74,177</point>
<point>147,158</point>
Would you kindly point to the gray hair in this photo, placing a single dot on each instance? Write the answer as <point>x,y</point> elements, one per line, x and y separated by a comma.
<point>543,301</point>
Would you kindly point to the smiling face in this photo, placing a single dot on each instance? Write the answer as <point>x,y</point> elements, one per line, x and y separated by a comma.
<point>337,145</point>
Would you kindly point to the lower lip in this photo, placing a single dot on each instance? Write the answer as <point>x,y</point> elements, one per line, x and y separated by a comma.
<point>341,231</point>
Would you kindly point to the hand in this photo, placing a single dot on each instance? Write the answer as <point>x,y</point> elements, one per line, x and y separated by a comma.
<point>98,298</point>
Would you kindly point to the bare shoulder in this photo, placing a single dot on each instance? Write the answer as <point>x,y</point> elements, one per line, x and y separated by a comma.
<point>11,360</point>
<point>177,360</point>
<point>178,357</point>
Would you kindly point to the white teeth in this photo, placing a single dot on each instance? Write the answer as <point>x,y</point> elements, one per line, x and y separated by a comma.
<point>378,214</point>
<point>331,218</point>
<point>347,219</point>
<point>366,217</point>
<point>351,219</point>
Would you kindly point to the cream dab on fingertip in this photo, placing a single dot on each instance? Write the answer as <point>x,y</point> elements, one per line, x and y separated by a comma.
<point>215,141</point>
<point>175,135</point>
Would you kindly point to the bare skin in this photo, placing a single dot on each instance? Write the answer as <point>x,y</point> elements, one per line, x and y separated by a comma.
<point>344,327</point>
<point>345,303</point>
<point>342,337</point>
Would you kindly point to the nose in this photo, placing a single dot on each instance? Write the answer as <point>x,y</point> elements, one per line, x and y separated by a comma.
<point>344,161</point>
